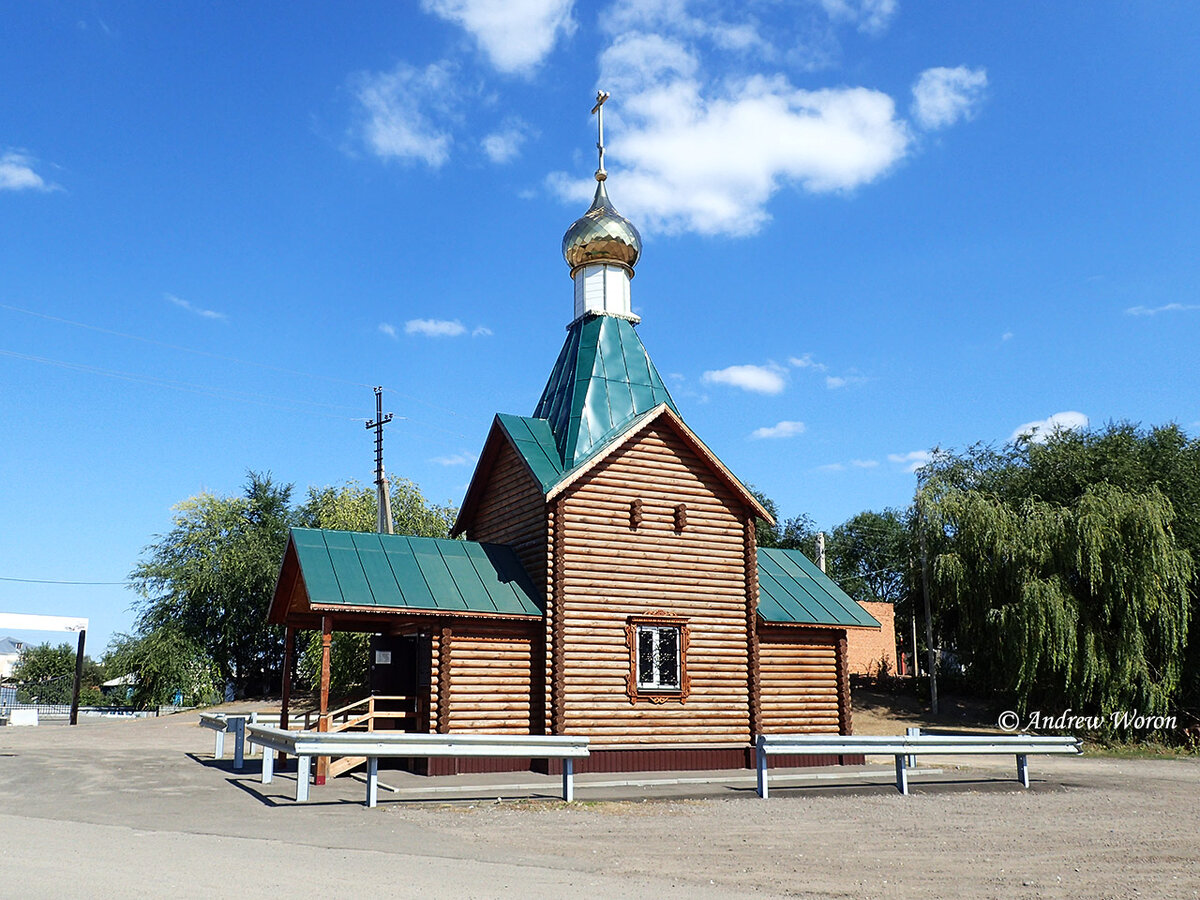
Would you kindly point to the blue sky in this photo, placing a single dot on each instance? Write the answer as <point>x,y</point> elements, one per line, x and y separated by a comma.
<point>872,227</point>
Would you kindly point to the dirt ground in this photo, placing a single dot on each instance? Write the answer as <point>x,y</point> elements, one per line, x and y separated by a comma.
<point>140,809</point>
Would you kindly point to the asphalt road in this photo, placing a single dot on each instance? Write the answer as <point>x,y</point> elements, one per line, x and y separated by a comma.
<point>139,809</point>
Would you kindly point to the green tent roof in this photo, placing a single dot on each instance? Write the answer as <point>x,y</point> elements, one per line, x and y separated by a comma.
<point>793,591</point>
<point>602,380</point>
<point>396,572</point>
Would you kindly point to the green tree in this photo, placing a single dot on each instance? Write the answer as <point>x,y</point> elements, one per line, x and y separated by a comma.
<point>209,581</point>
<point>796,533</point>
<point>1064,570</point>
<point>46,674</point>
<point>165,661</point>
<point>868,556</point>
<point>353,507</point>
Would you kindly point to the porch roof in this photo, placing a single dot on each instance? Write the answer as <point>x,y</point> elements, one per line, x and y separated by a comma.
<point>397,573</point>
<point>793,591</point>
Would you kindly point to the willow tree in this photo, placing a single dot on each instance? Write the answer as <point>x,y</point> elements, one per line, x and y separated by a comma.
<point>1082,604</point>
<point>209,581</point>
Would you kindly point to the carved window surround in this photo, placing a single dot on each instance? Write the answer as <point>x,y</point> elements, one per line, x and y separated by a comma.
<point>636,625</point>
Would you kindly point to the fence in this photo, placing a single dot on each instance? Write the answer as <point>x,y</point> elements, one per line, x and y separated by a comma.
<point>54,711</point>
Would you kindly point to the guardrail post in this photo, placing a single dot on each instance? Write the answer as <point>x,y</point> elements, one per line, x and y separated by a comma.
<point>1023,769</point>
<point>372,780</point>
<point>303,770</point>
<point>268,770</point>
<point>568,779</point>
<point>238,724</point>
<point>912,732</point>
<point>760,758</point>
<point>901,774</point>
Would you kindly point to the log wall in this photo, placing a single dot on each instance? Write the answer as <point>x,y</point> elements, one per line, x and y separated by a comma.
<point>512,510</point>
<point>615,559</point>
<point>800,681</point>
<point>490,688</point>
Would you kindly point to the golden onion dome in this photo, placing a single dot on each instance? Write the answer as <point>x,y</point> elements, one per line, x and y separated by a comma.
<point>601,235</point>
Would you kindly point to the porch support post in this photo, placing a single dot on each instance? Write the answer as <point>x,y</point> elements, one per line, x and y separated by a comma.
<point>285,688</point>
<point>323,723</point>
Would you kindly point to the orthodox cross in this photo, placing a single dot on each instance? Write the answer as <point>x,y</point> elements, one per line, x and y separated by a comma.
<point>383,523</point>
<point>598,112</point>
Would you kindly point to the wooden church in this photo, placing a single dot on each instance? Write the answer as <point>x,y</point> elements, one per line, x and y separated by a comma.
<point>608,585</point>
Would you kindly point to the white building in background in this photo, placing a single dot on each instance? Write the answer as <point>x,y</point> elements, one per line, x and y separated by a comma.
<point>10,652</point>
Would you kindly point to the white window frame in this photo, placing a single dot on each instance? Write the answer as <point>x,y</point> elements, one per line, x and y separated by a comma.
<point>655,682</point>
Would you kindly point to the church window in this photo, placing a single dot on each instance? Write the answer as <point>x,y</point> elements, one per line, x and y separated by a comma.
<point>658,646</point>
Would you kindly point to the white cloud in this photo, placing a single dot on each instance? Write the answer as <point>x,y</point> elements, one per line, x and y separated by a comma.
<point>481,331</point>
<point>516,35</point>
<point>505,145</point>
<point>17,174</point>
<point>807,362</point>
<point>690,155</point>
<point>407,112</point>
<point>833,382</point>
<point>195,310</point>
<point>758,379</point>
<point>853,464</point>
<point>912,460</point>
<point>781,430</point>
<point>942,96</point>
<point>672,16</point>
<point>1040,430</point>
<point>457,459</point>
<point>1155,310</point>
<point>1007,336</point>
<point>434,327</point>
<point>868,16</point>
<point>388,329</point>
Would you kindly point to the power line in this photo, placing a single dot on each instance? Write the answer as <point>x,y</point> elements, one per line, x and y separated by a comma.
<point>219,356</point>
<point>179,347</point>
<point>192,388</point>
<point>51,581</point>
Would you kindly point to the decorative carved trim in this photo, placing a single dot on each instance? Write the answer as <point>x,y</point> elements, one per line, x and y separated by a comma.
<point>444,664</point>
<point>754,674</point>
<point>635,514</point>
<point>680,517</point>
<point>632,690</point>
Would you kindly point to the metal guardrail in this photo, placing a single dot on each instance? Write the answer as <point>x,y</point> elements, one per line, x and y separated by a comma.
<point>907,747</point>
<point>304,745</point>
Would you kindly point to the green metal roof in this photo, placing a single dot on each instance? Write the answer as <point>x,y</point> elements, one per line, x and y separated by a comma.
<point>603,380</point>
<point>792,590</point>
<point>534,441</point>
<point>397,572</point>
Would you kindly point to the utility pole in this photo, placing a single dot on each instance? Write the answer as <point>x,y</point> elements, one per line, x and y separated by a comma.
<point>821,550</point>
<point>383,491</point>
<point>932,658</point>
<point>912,607</point>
